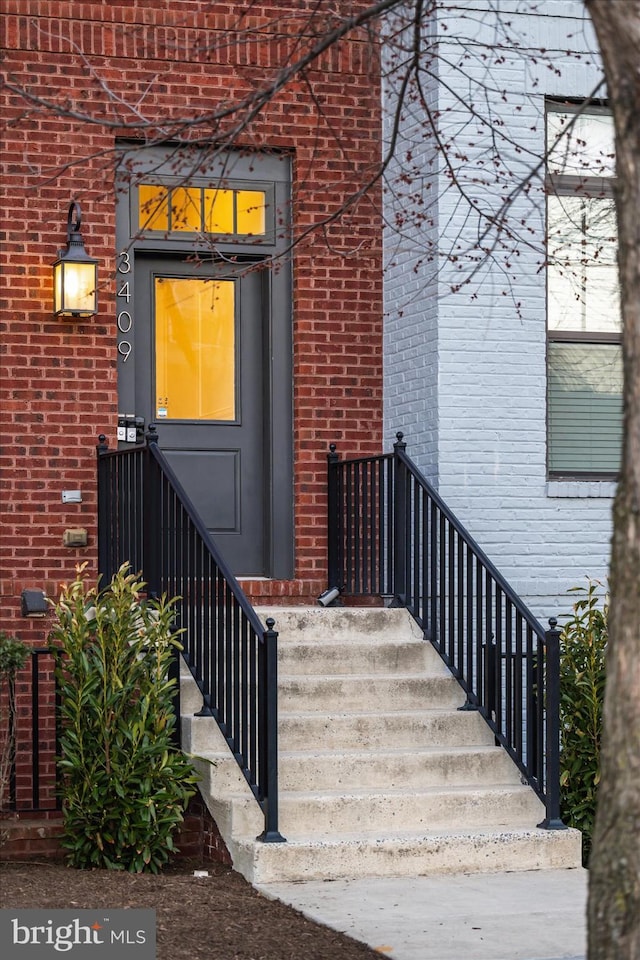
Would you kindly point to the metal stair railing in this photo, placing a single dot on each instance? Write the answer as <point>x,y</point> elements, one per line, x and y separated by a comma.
<point>390,533</point>
<point>30,738</point>
<point>145,518</point>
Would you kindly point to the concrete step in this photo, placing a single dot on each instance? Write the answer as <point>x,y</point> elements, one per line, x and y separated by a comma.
<point>467,767</point>
<point>382,657</point>
<point>408,767</point>
<point>404,854</point>
<point>354,692</point>
<point>350,732</point>
<point>334,815</point>
<point>374,731</point>
<point>369,812</point>
<point>323,625</point>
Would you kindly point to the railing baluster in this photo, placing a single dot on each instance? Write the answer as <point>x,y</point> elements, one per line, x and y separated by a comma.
<point>460,594</point>
<point>366,533</point>
<point>425,562</point>
<point>236,687</point>
<point>508,672</point>
<point>349,524</point>
<point>451,593</point>
<point>499,650</point>
<point>228,665</point>
<point>35,731</point>
<point>244,688</point>
<point>469,637</point>
<point>442,582</point>
<point>399,524</point>
<point>433,563</point>
<point>416,553</point>
<point>206,645</point>
<point>479,633</point>
<point>221,650</point>
<point>374,513</point>
<point>540,712</point>
<point>532,704</point>
<point>389,539</point>
<point>252,703</point>
<point>519,700</point>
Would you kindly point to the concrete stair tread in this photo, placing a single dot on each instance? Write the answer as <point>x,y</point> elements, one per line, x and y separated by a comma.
<point>331,624</point>
<point>362,640</point>
<point>381,752</point>
<point>332,693</point>
<point>352,793</point>
<point>334,716</point>
<point>395,836</point>
<point>376,677</point>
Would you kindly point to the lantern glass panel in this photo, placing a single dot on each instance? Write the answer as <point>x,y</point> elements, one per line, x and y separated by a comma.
<point>75,288</point>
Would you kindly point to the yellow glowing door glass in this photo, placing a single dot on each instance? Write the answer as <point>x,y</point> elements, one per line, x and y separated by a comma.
<point>195,349</point>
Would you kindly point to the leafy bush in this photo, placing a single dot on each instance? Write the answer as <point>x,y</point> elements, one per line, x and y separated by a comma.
<point>124,784</point>
<point>13,656</point>
<point>582,679</point>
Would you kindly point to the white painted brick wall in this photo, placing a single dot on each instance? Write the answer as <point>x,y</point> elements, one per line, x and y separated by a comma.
<point>465,372</point>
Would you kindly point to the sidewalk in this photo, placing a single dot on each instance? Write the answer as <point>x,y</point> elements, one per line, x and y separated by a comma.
<point>534,915</point>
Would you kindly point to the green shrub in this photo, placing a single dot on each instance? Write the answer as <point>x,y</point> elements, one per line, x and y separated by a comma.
<point>582,679</point>
<point>124,784</point>
<point>13,656</point>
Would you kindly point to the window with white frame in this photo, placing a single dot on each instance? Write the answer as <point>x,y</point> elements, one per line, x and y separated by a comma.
<point>584,357</point>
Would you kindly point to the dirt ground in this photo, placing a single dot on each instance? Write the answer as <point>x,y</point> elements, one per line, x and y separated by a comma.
<point>219,917</point>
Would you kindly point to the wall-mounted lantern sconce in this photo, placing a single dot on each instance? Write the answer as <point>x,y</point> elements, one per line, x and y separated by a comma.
<point>75,274</point>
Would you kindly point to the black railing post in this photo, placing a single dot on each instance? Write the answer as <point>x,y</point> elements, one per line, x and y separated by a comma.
<point>268,699</point>
<point>399,524</point>
<point>35,729</point>
<point>552,821</point>
<point>102,447</point>
<point>58,734</point>
<point>490,675</point>
<point>151,519</point>
<point>334,575</point>
<point>10,734</point>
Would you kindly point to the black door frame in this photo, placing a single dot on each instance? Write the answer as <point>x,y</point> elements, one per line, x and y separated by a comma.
<point>173,162</point>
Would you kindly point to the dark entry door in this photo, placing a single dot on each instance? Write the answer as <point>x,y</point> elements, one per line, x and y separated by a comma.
<point>200,379</point>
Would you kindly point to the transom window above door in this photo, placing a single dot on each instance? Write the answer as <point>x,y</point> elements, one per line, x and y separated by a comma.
<point>229,211</point>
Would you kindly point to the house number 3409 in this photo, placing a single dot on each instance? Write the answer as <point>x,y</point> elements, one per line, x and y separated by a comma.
<point>123,297</point>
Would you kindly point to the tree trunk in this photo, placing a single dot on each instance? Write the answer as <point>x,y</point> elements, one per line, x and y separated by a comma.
<point>614,881</point>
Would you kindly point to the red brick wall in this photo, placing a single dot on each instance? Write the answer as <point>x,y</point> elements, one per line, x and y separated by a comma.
<point>169,58</point>
<point>29,838</point>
